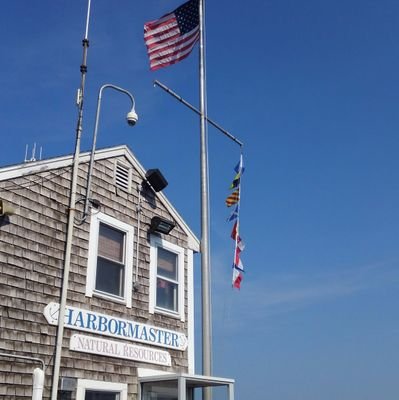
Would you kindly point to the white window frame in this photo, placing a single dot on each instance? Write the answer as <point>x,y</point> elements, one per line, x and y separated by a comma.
<point>88,384</point>
<point>91,291</point>
<point>156,242</point>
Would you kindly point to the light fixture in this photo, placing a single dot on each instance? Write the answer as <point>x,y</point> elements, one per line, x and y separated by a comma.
<point>131,119</point>
<point>6,209</point>
<point>156,179</point>
<point>161,225</point>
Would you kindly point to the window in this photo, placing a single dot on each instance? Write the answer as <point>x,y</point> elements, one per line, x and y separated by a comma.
<point>99,390</point>
<point>166,278</point>
<point>110,259</point>
<point>159,390</point>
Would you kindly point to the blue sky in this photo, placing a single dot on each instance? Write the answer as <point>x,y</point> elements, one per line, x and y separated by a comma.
<point>311,88</point>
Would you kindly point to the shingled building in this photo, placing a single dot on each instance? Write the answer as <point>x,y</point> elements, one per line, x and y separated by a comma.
<point>129,315</point>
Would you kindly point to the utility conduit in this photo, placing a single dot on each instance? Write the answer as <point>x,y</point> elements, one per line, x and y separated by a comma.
<point>38,374</point>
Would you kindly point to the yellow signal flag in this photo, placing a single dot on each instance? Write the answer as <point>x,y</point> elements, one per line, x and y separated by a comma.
<point>233,198</point>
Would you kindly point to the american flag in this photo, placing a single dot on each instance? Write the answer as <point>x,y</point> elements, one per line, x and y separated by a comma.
<point>172,37</point>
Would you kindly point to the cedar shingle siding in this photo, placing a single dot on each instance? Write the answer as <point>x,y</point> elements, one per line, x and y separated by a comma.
<point>32,245</point>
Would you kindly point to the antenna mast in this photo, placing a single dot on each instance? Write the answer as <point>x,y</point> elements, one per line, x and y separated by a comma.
<point>71,215</point>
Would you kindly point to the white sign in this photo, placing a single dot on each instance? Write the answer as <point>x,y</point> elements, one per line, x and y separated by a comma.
<point>112,348</point>
<point>102,324</point>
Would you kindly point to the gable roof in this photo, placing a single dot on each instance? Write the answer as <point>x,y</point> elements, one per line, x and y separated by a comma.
<point>29,168</point>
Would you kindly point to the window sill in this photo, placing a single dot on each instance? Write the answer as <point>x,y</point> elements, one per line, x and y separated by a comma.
<point>106,296</point>
<point>167,313</point>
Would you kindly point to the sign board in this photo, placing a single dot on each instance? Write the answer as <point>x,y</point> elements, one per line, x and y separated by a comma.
<point>102,324</point>
<point>113,348</point>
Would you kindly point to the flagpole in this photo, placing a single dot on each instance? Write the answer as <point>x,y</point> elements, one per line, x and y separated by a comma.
<point>71,216</point>
<point>205,250</point>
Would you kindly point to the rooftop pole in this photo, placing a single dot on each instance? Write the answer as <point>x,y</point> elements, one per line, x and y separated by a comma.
<point>71,216</point>
<point>205,249</point>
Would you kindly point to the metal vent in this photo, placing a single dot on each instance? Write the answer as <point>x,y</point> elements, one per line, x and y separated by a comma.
<point>122,176</point>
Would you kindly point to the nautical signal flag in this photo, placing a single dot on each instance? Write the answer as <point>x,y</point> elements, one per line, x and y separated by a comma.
<point>233,198</point>
<point>240,244</point>
<point>234,215</point>
<point>234,231</point>
<point>237,260</point>
<point>239,168</point>
<point>171,38</point>
<point>236,181</point>
<point>237,278</point>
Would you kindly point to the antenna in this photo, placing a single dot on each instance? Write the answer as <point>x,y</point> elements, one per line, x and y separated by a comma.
<point>33,157</point>
<point>33,152</point>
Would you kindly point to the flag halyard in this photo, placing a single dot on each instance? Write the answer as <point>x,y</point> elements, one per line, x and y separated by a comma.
<point>234,198</point>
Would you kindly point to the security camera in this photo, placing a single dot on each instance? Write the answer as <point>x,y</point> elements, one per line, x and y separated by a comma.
<point>132,118</point>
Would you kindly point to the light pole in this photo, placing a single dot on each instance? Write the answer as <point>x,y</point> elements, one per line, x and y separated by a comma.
<point>131,119</point>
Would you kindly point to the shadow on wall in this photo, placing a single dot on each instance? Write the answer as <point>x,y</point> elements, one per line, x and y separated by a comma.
<point>4,220</point>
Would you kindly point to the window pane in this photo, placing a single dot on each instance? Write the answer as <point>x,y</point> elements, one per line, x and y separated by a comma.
<point>110,277</point>
<point>167,264</point>
<point>166,294</point>
<point>101,395</point>
<point>160,390</point>
<point>111,243</point>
